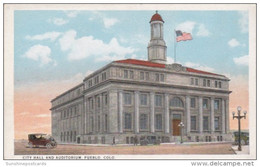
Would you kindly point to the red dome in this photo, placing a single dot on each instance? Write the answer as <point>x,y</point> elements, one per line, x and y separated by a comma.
<point>156,17</point>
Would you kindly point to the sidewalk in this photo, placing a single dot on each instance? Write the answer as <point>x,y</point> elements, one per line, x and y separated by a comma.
<point>245,149</point>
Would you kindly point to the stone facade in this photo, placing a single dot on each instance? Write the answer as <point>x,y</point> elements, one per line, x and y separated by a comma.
<point>134,98</point>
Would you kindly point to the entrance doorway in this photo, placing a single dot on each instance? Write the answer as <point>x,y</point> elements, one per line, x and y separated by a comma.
<point>175,122</point>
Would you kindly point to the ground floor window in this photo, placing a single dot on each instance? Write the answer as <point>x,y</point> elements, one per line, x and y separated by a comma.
<point>158,121</point>
<point>193,123</point>
<point>205,123</point>
<point>216,122</point>
<point>128,121</point>
<point>143,121</point>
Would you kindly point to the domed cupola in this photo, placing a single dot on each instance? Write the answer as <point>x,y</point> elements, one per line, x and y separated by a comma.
<point>157,47</point>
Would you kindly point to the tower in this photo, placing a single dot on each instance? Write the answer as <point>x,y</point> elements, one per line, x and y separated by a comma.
<point>157,47</point>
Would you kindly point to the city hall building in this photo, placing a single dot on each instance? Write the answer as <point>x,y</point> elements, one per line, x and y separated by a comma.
<point>136,98</point>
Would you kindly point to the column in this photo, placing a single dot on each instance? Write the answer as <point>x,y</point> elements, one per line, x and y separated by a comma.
<point>114,110</point>
<point>136,112</point>
<point>167,129</point>
<point>84,113</point>
<point>120,101</point>
<point>94,115</point>
<point>223,120</point>
<point>101,113</point>
<point>200,115</point>
<point>152,111</point>
<point>212,116</point>
<point>227,115</point>
<point>188,114</point>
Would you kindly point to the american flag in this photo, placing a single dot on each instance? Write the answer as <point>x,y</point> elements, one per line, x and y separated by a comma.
<point>182,36</point>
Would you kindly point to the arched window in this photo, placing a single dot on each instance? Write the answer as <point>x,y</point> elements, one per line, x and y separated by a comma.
<point>176,102</point>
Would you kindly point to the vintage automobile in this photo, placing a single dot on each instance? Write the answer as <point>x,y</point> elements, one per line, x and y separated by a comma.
<point>40,139</point>
<point>145,140</point>
<point>244,138</point>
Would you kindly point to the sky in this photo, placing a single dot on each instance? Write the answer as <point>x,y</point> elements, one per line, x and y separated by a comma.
<point>54,50</point>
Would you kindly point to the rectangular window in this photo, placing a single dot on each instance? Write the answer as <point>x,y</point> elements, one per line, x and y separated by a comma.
<point>89,83</point>
<point>147,76</point>
<point>216,84</point>
<point>193,102</point>
<point>216,123</point>
<point>158,100</point>
<point>205,123</point>
<point>216,104</point>
<point>205,104</point>
<point>128,121</point>
<point>131,74</point>
<point>158,121</point>
<point>193,123</point>
<point>98,121</point>
<point>143,121</point>
<point>105,99</point>
<point>143,99</point>
<point>157,77</point>
<point>192,81</point>
<point>98,101</point>
<point>208,83</point>
<point>204,82</point>
<point>92,123</point>
<point>106,123</point>
<point>219,84</point>
<point>196,81</point>
<point>104,76</point>
<point>162,77</point>
<point>127,99</point>
<point>142,75</point>
<point>125,74</point>
<point>96,79</point>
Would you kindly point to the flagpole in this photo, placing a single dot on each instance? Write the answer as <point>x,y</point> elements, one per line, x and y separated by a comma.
<point>175,44</point>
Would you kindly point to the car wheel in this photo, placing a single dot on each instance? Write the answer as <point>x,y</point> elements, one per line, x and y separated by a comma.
<point>48,145</point>
<point>30,145</point>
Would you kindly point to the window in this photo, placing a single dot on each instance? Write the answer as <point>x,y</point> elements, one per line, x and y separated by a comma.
<point>147,76</point>
<point>127,99</point>
<point>92,123</point>
<point>216,104</point>
<point>143,121</point>
<point>105,99</point>
<point>143,99</point>
<point>128,121</point>
<point>96,79</point>
<point>219,84</point>
<point>193,123</point>
<point>208,83</point>
<point>204,82</point>
<point>158,121</point>
<point>205,104</point>
<point>216,84</point>
<point>157,77</point>
<point>142,75</point>
<point>106,123</point>
<point>205,123</point>
<point>91,103</point>
<point>125,74</point>
<point>158,100</point>
<point>89,83</point>
<point>216,123</point>
<point>98,101</point>
<point>104,76</point>
<point>98,121</point>
<point>193,102</point>
<point>192,81</point>
<point>196,81</point>
<point>131,74</point>
<point>61,136</point>
<point>162,77</point>
<point>176,102</point>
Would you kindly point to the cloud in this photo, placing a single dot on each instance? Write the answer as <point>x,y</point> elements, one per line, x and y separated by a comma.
<point>202,31</point>
<point>189,26</point>
<point>170,60</point>
<point>243,21</point>
<point>186,26</point>
<point>39,53</point>
<point>72,14</point>
<point>109,22</point>
<point>243,60</point>
<point>88,46</point>
<point>58,21</point>
<point>199,67</point>
<point>233,43</point>
<point>48,35</point>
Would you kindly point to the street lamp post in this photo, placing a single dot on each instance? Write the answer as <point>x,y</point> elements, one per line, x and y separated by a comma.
<point>181,125</point>
<point>238,117</point>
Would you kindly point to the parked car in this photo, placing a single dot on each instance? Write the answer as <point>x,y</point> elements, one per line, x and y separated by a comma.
<point>40,139</point>
<point>145,140</point>
<point>244,137</point>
